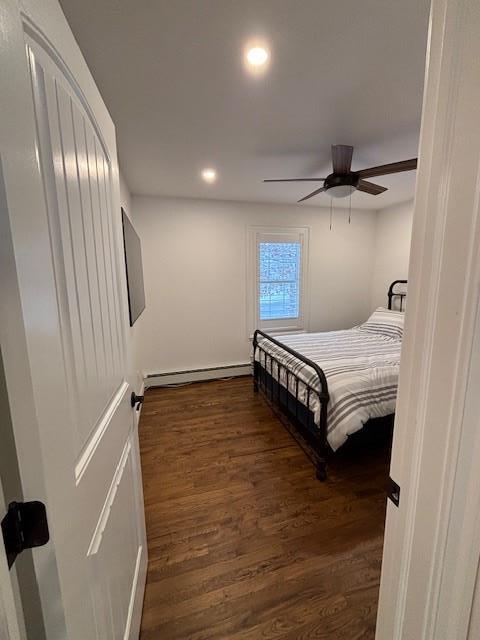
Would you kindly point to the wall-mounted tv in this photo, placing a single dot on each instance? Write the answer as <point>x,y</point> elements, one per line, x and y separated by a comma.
<point>134,267</point>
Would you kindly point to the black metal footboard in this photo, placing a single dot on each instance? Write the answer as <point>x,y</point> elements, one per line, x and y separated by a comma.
<point>268,376</point>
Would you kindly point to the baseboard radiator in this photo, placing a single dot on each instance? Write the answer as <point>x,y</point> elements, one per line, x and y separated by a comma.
<point>197,375</point>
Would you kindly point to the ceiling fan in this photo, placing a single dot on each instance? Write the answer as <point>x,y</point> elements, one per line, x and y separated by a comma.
<point>343,181</point>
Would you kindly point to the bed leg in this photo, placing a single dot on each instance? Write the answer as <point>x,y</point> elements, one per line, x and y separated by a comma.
<point>255,386</point>
<point>321,470</point>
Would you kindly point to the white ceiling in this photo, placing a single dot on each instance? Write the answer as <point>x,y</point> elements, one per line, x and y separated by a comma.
<point>172,76</point>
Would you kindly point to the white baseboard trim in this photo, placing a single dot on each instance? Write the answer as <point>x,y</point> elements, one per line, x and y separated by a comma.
<point>197,375</point>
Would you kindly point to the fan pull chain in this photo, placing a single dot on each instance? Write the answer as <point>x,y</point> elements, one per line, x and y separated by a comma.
<point>331,212</point>
<point>350,210</point>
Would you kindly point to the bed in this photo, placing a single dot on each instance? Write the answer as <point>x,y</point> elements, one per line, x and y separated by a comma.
<point>330,385</point>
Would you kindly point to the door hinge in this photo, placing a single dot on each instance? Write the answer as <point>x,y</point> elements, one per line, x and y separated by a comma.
<point>393,492</point>
<point>25,526</point>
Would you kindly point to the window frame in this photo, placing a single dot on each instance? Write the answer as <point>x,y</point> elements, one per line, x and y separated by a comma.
<point>256,235</point>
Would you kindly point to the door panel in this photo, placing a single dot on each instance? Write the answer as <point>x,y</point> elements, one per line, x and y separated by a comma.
<point>95,476</point>
<point>115,554</point>
<point>88,442</point>
<point>80,213</point>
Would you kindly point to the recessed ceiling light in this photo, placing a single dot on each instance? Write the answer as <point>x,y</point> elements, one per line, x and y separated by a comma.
<point>209,175</point>
<point>257,56</point>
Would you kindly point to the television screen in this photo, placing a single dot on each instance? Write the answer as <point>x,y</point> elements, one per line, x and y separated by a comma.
<point>133,264</point>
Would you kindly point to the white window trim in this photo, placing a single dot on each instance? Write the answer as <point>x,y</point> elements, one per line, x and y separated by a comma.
<point>256,234</point>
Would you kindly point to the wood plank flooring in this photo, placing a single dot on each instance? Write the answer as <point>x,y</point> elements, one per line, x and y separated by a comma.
<point>243,541</point>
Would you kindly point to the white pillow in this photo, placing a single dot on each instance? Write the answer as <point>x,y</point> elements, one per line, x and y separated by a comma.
<point>385,321</point>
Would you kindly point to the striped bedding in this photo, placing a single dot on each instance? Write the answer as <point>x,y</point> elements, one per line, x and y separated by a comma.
<point>361,366</point>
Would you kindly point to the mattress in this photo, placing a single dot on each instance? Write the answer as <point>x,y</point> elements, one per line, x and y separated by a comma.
<point>361,367</point>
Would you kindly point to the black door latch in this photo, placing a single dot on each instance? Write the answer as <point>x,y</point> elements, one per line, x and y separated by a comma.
<point>25,526</point>
<point>135,400</point>
<point>393,492</point>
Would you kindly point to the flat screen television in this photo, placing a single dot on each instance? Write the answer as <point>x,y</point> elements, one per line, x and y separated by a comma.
<point>134,267</point>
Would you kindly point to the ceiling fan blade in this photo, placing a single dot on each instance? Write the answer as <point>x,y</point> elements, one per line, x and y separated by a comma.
<point>342,158</point>
<point>370,187</point>
<point>385,169</point>
<point>314,193</point>
<point>296,180</point>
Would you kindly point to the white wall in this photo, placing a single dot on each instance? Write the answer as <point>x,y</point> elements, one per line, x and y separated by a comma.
<point>125,196</point>
<point>392,252</point>
<point>194,254</point>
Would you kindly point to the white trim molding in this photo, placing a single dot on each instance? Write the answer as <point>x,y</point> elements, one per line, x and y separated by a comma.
<point>256,234</point>
<point>432,542</point>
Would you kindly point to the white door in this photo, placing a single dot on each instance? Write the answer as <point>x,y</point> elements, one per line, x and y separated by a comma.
<point>432,541</point>
<point>64,331</point>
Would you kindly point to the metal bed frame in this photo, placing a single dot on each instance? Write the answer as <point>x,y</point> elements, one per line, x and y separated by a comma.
<point>299,414</point>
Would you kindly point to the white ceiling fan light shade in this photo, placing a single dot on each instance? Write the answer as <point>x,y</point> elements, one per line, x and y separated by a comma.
<point>341,191</point>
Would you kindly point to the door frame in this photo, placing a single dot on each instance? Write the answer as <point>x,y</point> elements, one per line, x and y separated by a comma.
<point>11,614</point>
<point>432,542</point>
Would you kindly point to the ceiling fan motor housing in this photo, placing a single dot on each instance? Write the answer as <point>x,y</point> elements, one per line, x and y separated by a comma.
<point>341,186</point>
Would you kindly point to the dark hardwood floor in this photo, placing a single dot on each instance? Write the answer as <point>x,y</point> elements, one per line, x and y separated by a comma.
<point>244,542</point>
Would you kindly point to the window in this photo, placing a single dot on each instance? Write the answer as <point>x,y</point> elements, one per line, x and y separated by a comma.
<point>279,283</point>
<point>277,278</point>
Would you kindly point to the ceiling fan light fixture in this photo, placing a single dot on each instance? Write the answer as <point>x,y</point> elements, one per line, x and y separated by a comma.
<point>341,191</point>
<point>340,186</point>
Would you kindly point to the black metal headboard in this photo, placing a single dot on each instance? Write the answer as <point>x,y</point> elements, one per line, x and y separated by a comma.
<point>394,291</point>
